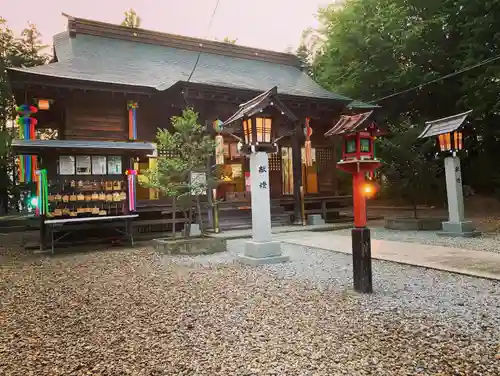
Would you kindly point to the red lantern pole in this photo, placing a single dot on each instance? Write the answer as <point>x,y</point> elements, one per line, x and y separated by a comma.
<point>358,159</point>
<point>359,200</point>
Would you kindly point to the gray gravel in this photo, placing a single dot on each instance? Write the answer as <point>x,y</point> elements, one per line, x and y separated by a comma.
<point>485,242</point>
<point>467,300</point>
<point>141,313</point>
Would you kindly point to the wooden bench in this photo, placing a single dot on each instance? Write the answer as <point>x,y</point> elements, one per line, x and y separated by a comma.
<point>328,207</point>
<point>157,225</point>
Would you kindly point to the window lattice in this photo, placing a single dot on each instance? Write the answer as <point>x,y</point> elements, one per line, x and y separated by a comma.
<point>274,162</point>
<point>324,156</point>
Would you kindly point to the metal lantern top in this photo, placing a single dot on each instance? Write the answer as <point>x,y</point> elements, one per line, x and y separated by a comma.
<point>255,119</point>
<point>448,132</point>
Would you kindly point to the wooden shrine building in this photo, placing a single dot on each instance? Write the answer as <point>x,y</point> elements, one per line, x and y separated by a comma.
<point>101,73</point>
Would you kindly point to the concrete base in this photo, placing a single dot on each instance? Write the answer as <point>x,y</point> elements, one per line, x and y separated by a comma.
<point>194,230</point>
<point>414,224</point>
<point>257,253</point>
<point>460,229</point>
<point>315,219</point>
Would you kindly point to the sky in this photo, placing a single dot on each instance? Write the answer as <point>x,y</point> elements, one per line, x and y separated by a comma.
<point>269,24</point>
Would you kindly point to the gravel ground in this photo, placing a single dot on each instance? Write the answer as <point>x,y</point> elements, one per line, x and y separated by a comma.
<point>485,242</point>
<point>139,313</point>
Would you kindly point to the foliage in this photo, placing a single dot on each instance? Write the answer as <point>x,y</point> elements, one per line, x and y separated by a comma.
<point>305,59</point>
<point>184,151</point>
<point>410,170</point>
<point>131,19</point>
<point>373,48</point>
<point>23,51</point>
<point>229,40</point>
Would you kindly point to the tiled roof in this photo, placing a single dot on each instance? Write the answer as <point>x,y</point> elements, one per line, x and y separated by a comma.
<point>348,124</point>
<point>257,104</point>
<point>362,105</point>
<point>106,60</point>
<point>444,125</point>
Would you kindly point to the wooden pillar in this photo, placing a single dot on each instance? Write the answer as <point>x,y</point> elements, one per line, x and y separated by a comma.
<point>335,175</point>
<point>297,172</point>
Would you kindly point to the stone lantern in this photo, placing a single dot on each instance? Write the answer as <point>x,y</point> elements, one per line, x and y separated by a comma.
<point>254,120</point>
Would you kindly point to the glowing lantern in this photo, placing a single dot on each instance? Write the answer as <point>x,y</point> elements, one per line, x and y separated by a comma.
<point>43,104</point>
<point>451,141</point>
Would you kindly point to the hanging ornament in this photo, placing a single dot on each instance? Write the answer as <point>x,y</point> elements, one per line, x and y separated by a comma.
<point>219,149</point>
<point>132,121</point>
<point>217,125</point>
<point>132,181</point>
<point>26,124</point>
<point>307,145</point>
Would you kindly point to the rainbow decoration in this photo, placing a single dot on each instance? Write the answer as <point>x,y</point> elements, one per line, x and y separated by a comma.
<point>132,178</point>
<point>132,120</point>
<point>26,123</point>
<point>42,193</point>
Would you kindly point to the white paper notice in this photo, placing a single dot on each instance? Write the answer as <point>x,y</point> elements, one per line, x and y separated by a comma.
<point>98,165</point>
<point>115,165</point>
<point>66,165</point>
<point>83,165</point>
<point>198,183</point>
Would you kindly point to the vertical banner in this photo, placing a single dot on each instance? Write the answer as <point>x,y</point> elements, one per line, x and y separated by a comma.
<point>132,120</point>
<point>26,163</point>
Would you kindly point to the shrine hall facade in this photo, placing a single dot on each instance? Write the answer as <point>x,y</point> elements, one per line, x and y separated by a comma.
<point>98,69</point>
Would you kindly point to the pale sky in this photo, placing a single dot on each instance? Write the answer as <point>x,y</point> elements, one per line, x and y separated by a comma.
<point>268,24</point>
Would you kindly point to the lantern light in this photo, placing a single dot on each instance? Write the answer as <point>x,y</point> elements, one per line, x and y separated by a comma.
<point>43,104</point>
<point>452,141</point>
<point>368,189</point>
<point>257,129</point>
<point>34,201</point>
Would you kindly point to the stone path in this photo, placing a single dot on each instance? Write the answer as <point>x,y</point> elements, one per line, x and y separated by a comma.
<point>474,263</point>
<point>247,233</point>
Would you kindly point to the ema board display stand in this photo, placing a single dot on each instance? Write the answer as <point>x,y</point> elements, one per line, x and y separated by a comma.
<point>83,184</point>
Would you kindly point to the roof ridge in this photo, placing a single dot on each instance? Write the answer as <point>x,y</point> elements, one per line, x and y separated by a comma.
<point>103,29</point>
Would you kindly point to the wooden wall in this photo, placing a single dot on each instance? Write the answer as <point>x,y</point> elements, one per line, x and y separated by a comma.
<point>103,116</point>
<point>96,116</point>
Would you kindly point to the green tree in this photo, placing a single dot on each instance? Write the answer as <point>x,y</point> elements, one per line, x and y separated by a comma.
<point>27,51</point>
<point>131,19</point>
<point>375,48</point>
<point>305,59</point>
<point>183,151</point>
<point>411,174</point>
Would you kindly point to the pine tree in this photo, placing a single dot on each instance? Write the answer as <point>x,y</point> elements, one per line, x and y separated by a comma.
<point>182,152</point>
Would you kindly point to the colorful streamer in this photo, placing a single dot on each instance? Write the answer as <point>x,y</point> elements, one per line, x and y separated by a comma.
<point>132,120</point>
<point>42,193</point>
<point>307,144</point>
<point>132,181</point>
<point>26,123</point>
